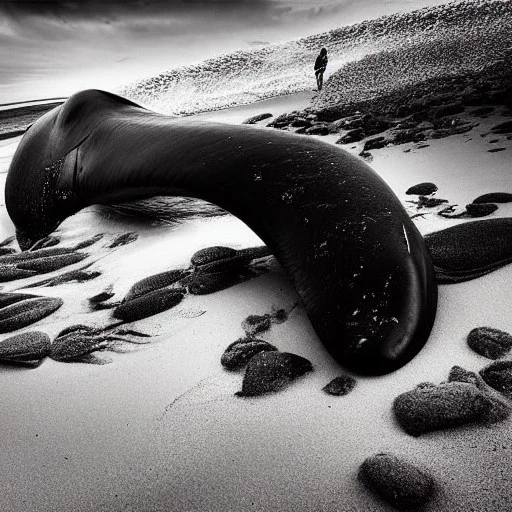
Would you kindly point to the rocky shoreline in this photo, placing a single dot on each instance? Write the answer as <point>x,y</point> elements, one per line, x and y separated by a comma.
<point>433,109</point>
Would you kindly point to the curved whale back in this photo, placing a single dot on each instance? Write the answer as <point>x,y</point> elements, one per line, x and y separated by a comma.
<point>357,261</point>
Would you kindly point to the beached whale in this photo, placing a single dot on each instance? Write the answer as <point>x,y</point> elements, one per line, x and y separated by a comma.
<point>357,261</point>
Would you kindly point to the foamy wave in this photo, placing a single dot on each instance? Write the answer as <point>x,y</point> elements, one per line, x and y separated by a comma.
<point>247,76</point>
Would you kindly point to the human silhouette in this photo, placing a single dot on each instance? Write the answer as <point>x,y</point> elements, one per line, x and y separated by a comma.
<point>320,65</point>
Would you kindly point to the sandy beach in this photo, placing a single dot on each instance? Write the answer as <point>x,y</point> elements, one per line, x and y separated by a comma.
<point>160,428</point>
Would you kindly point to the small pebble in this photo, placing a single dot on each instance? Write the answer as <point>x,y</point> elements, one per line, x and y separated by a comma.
<point>256,324</point>
<point>340,386</point>
<point>396,481</point>
<point>240,352</point>
<point>498,375</point>
<point>489,342</point>
<point>268,372</point>
<point>422,189</point>
<point>447,405</point>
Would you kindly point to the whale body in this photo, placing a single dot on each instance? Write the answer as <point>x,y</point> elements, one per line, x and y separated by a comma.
<point>357,261</point>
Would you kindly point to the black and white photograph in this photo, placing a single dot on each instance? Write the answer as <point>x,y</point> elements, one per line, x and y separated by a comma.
<point>256,255</point>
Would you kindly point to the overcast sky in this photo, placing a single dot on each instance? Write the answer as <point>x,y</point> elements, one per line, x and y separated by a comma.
<point>53,48</point>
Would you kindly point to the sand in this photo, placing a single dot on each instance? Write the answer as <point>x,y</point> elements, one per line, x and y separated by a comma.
<point>160,428</point>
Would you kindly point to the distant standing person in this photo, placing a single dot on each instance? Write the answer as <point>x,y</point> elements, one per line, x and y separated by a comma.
<point>320,65</point>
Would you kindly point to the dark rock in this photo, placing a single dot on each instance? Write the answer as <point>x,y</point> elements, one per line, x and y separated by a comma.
<point>499,376</point>
<point>351,136</point>
<point>51,263</point>
<point>488,342</point>
<point>482,111</point>
<point>422,189</point>
<point>376,143</point>
<point>496,150</point>
<point>255,324</point>
<point>87,243</point>
<point>11,273</point>
<point>15,259</point>
<point>101,297</point>
<point>7,250</point>
<point>505,127</point>
<point>155,282</point>
<point>480,209</point>
<point>206,283</point>
<point>255,119</point>
<point>268,372</point>
<point>444,406</point>
<point>494,197</point>
<point>26,312</point>
<point>78,276</point>
<point>149,304</point>
<point>300,122</point>
<point>446,110</point>
<point>318,130</point>
<point>396,481</point>
<point>407,135</point>
<point>459,374</point>
<point>210,254</point>
<point>238,354</point>
<point>441,133</point>
<point>340,386</point>
<point>124,239</point>
<point>28,347</point>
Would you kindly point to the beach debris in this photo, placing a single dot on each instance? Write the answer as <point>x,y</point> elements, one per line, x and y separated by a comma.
<point>77,343</point>
<point>459,374</point>
<point>422,189</point>
<point>480,209</point>
<point>79,276</point>
<point>241,351</point>
<point>396,480</point>
<point>26,311</point>
<point>47,241</point>
<point>340,386</point>
<point>256,118</point>
<point>430,202</point>
<point>268,372</point>
<point>430,408</point>
<point>494,197</point>
<point>504,128</point>
<point>148,304</point>
<point>88,242</point>
<point>124,239</point>
<point>489,342</point>
<point>28,348</point>
<point>51,263</point>
<point>498,375</point>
